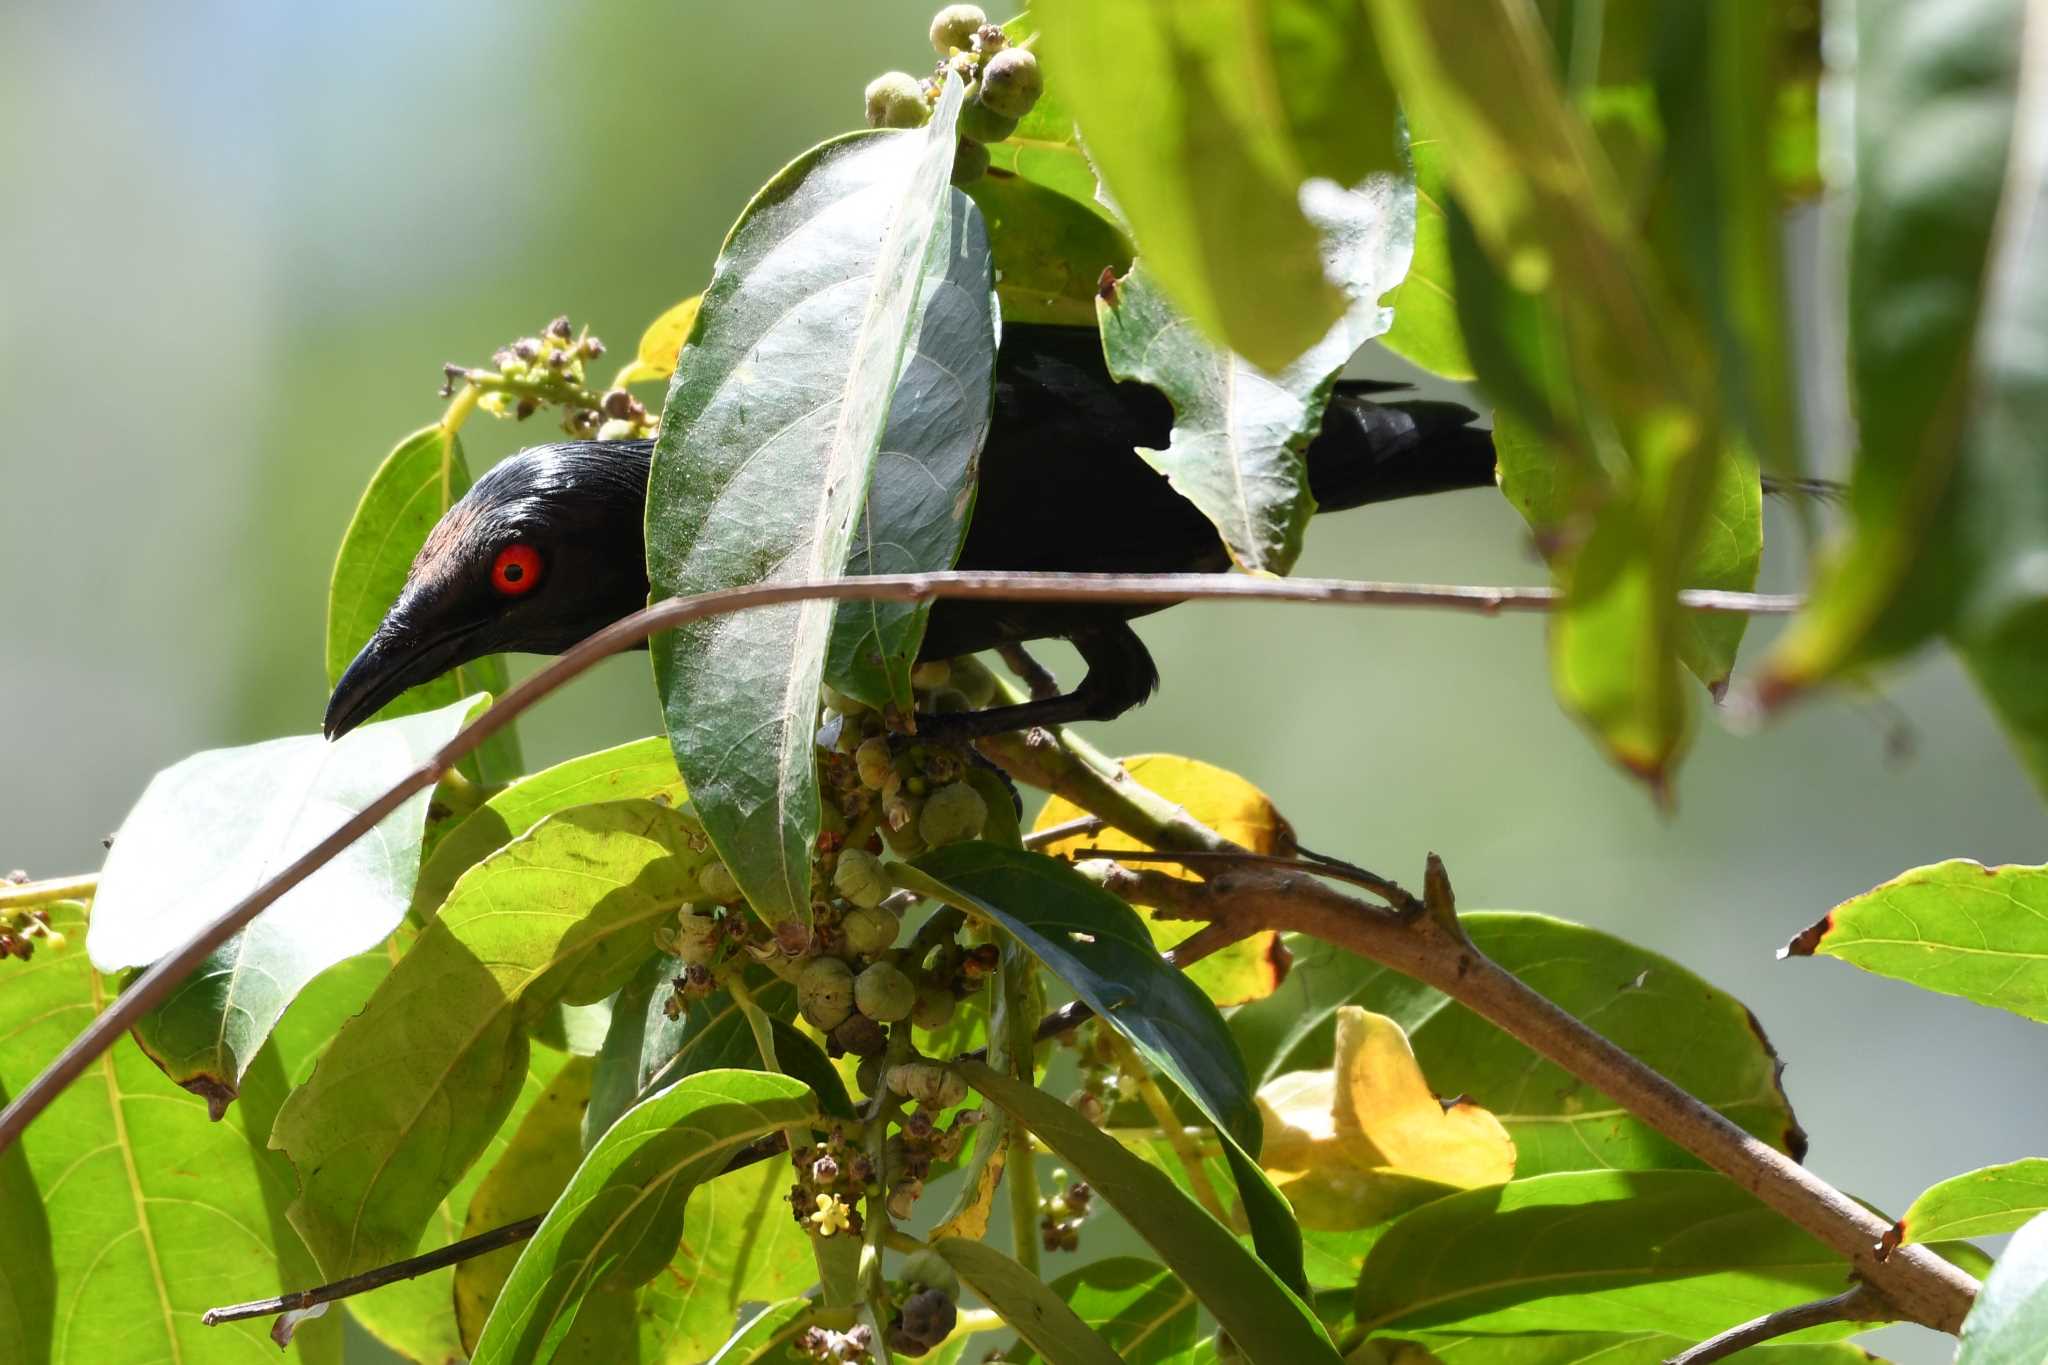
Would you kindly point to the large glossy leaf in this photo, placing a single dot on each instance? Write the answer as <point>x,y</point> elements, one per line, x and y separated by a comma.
<point>1041,1316</point>
<point>1945,347</point>
<point>1248,1299</point>
<point>28,1277</point>
<point>1102,950</point>
<point>212,828</point>
<point>922,492</point>
<point>1139,1307</point>
<point>620,1221</point>
<point>1227,803</point>
<point>565,913</point>
<point>1050,249</point>
<point>2009,1324</point>
<point>1587,1348</point>
<point>1425,306</point>
<point>740,1245</point>
<point>767,442</point>
<point>1547,208</point>
<point>1956,927</point>
<point>1703,1039</point>
<point>643,768</point>
<point>153,1213</point>
<point>1982,1203</point>
<point>1239,429</point>
<point>417,482</point>
<point>1203,121</point>
<point>1593,1251</point>
<point>539,1158</point>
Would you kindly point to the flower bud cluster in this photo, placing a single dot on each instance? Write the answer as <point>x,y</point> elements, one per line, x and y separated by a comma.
<point>823,1344</point>
<point>21,930</point>
<point>831,1177</point>
<point>547,370</point>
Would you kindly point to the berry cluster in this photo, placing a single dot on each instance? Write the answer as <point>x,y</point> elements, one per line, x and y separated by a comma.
<point>1061,1216</point>
<point>547,370</point>
<point>1003,83</point>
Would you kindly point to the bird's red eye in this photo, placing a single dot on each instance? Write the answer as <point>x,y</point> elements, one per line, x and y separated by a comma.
<point>516,570</point>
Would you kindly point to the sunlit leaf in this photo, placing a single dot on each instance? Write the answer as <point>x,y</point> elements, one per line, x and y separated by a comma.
<point>1234,808</point>
<point>564,913</point>
<point>2009,1324</point>
<point>418,481</point>
<point>1983,1203</point>
<point>1588,1348</point>
<point>213,828</point>
<point>1139,1307</point>
<point>1956,927</point>
<point>1271,1325</point>
<point>1050,250</point>
<point>1041,1316</point>
<point>620,1221</point>
<point>656,356</point>
<point>740,1244</point>
<point>767,442</point>
<point>1203,121</point>
<point>1046,149</point>
<point>762,1337</point>
<point>1424,303</point>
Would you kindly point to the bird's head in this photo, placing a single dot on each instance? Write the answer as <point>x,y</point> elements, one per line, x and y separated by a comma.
<point>545,549</point>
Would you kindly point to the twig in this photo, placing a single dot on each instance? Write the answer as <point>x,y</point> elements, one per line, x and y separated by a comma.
<point>1860,1304</point>
<point>157,983</point>
<point>1066,829</point>
<point>1393,893</point>
<point>19,895</point>
<point>299,1299</point>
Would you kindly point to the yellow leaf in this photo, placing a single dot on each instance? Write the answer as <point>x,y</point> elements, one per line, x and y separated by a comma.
<point>662,342</point>
<point>1234,808</point>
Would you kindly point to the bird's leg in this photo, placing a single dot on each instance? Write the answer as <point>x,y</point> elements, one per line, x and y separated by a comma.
<point>1120,675</point>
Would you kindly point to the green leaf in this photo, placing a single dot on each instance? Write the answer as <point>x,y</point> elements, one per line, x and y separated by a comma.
<point>416,484</point>
<point>1593,1251</point>
<point>620,1221</point>
<point>565,913</point>
<point>767,441</point>
<point>1026,1303</point>
<point>1945,502</point>
<point>761,1337</point>
<point>1204,120</point>
<point>1956,927</point>
<point>1050,251</point>
<point>154,1214</point>
<point>641,769</point>
<point>1981,1203</point>
<point>1270,1324</point>
<point>1590,1348</point>
<point>922,491</point>
<point>2009,1324</point>
<point>524,1181</point>
<point>1239,430</point>
<point>1145,1314</point>
<point>740,1245</point>
<point>28,1277</point>
<point>1103,951</point>
<point>1424,302</point>
<point>1046,148</point>
<point>211,829</point>
<point>1701,1038</point>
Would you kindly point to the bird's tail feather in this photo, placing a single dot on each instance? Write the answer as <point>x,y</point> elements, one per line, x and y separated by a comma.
<point>1376,452</point>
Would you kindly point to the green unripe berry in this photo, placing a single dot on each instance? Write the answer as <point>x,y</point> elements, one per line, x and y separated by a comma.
<point>928,1083</point>
<point>970,162</point>
<point>934,1007</point>
<point>824,992</point>
<point>884,994</point>
<point>954,27</point>
<point>715,881</point>
<point>952,813</point>
<point>859,878</point>
<point>932,673</point>
<point>903,839</point>
<point>695,939</point>
<point>931,1270</point>
<point>979,123</point>
<point>870,930</point>
<point>896,100</point>
<point>1011,82</point>
<point>873,761</point>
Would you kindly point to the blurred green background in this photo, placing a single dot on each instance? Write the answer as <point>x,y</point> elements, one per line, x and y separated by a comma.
<point>238,242</point>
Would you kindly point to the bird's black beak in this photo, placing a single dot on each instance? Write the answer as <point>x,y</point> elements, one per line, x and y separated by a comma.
<point>395,658</point>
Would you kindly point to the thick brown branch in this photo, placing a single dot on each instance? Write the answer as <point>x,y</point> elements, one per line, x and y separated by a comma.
<point>156,984</point>
<point>1860,1304</point>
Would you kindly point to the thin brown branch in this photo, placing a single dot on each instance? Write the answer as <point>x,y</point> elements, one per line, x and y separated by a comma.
<point>1392,892</point>
<point>1066,829</point>
<point>1859,1304</point>
<point>157,983</point>
<point>301,1299</point>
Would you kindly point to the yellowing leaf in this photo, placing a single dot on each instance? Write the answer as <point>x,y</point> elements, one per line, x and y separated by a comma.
<point>662,342</point>
<point>1347,1145</point>
<point>1234,808</point>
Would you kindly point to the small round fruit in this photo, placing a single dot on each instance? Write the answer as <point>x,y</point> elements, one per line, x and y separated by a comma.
<point>870,929</point>
<point>934,1007</point>
<point>896,100</point>
<point>824,992</point>
<point>970,162</point>
<point>954,27</point>
<point>1011,82</point>
<point>929,1316</point>
<point>979,123</point>
<point>952,813</point>
<point>931,673</point>
<point>697,938</point>
<point>883,993</point>
<point>859,878</point>
<point>715,881</point>
<point>874,762</point>
<point>861,1036</point>
<point>903,840</point>
<point>929,1270</point>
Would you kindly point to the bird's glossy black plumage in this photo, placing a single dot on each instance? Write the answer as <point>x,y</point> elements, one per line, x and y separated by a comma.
<point>1061,490</point>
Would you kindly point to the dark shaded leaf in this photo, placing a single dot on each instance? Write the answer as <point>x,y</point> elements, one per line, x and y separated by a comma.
<point>1146,1314</point>
<point>1027,1303</point>
<point>28,1276</point>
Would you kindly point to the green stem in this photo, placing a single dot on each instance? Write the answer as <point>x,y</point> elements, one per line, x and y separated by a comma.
<point>460,407</point>
<point>1161,1108</point>
<point>20,895</point>
<point>1010,1050</point>
<point>874,1287</point>
<point>764,1031</point>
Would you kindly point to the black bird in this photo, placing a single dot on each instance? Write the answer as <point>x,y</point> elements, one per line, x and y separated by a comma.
<point>548,546</point>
